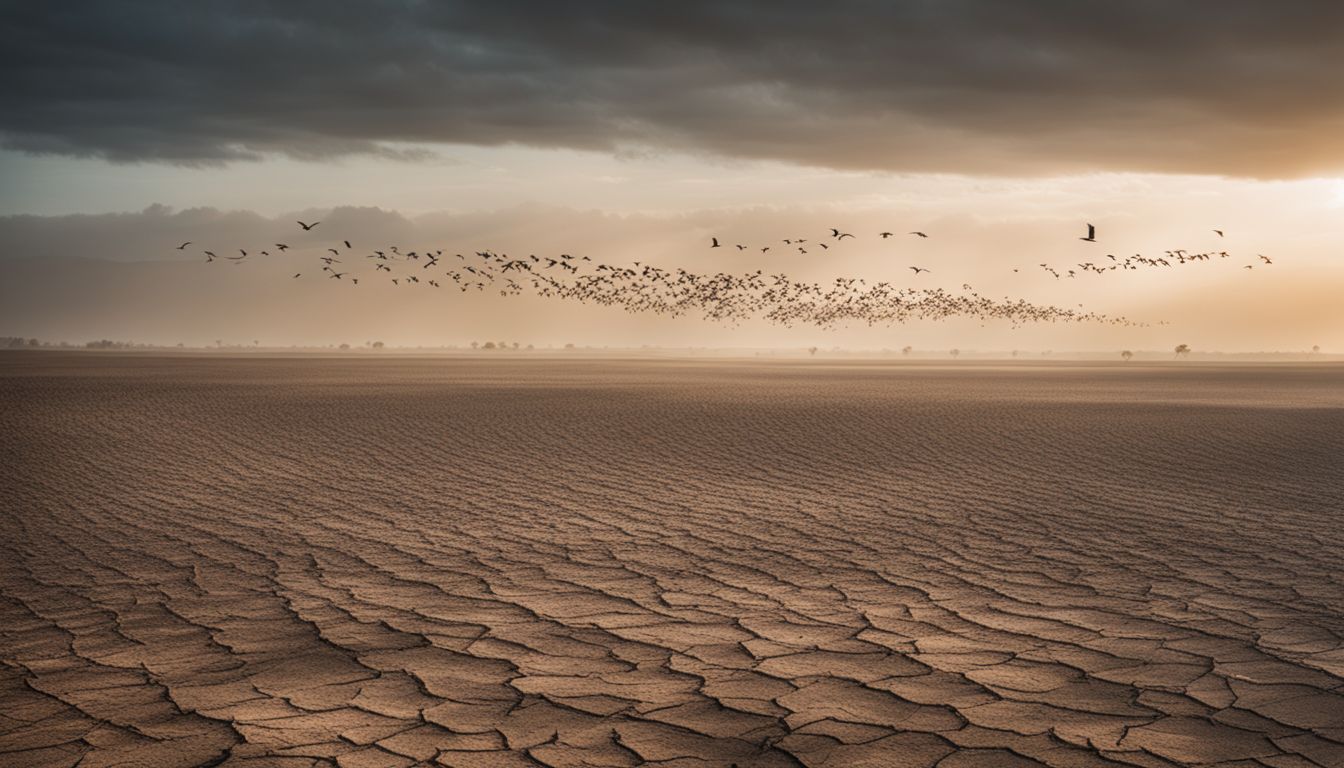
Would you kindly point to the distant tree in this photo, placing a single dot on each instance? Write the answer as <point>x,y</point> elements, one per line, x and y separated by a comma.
<point>530,347</point>
<point>515,345</point>
<point>1182,350</point>
<point>34,343</point>
<point>1316,349</point>
<point>475,344</point>
<point>488,345</point>
<point>344,347</point>
<point>377,345</point>
<point>954,353</point>
<point>907,349</point>
<point>1127,355</point>
<point>569,346</point>
<point>811,350</point>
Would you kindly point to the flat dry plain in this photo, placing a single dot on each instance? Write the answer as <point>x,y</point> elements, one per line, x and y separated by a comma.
<point>392,562</point>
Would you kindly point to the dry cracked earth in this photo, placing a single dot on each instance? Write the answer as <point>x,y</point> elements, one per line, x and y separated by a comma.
<point>398,562</point>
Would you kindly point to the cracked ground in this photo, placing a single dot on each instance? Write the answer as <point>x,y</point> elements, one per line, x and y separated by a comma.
<point>398,562</point>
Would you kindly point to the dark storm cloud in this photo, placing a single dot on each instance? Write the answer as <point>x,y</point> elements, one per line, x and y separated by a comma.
<point>1234,87</point>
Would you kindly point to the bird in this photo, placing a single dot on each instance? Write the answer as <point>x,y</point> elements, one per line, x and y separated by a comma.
<point>1091,234</point>
<point>347,243</point>
<point>716,242</point>
<point>1219,231</point>
<point>1264,258</point>
<point>307,227</point>
<point>296,274</point>
<point>843,235</point>
<point>919,234</point>
<point>917,270</point>
<point>209,256</point>
<point>184,245</point>
<point>884,235</point>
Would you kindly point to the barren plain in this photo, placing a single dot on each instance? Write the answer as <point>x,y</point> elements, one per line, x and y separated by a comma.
<point>359,561</point>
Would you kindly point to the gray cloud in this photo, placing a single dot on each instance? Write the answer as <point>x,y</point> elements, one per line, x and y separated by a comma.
<point>1238,87</point>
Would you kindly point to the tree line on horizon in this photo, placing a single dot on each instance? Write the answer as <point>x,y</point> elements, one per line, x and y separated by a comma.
<point>21,342</point>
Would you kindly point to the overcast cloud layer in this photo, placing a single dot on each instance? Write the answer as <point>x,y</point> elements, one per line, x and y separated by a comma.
<point>1230,87</point>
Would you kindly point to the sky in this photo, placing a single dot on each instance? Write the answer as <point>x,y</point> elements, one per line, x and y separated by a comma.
<point>637,131</point>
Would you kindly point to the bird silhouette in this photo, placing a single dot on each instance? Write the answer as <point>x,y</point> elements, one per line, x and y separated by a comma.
<point>726,297</point>
<point>307,227</point>
<point>184,245</point>
<point>1091,234</point>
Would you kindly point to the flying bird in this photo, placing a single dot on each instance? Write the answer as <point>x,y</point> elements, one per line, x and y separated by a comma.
<point>307,227</point>
<point>347,243</point>
<point>1091,234</point>
<point>884,235</point>
<point>919,234</point>
<point>184,245</point>
<point>716,242</point>
<point>1219,231</point>
<point>917,270</point>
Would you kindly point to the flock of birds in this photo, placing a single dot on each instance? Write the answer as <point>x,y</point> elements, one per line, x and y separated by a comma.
<point>719,296</point>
